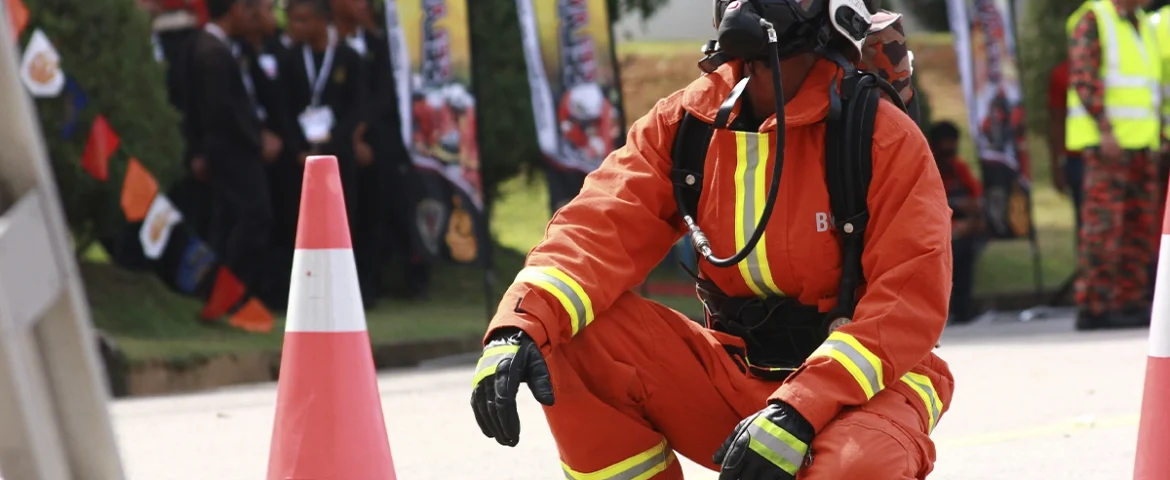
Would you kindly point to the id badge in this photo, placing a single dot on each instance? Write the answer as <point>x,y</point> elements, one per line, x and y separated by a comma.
<point>268,64</point>
<point>316,123</point>
<point>358,44</point>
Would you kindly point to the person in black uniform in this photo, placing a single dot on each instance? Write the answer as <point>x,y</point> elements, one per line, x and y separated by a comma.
<point>265,51</point>
<point>228,136</point>
<point>325,92</point>
<point>388,195</point>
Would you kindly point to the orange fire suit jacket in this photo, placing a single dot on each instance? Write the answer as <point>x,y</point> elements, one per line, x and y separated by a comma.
<point>606,240</point>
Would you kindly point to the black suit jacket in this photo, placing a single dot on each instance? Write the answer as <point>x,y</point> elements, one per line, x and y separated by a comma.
<point>270,86</point>
<point>382,115</point>
<point>221,122</point>
<point>344,93</point>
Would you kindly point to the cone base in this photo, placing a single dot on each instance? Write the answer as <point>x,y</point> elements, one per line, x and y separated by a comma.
<point>329,422</point>
<point>1154,429</point>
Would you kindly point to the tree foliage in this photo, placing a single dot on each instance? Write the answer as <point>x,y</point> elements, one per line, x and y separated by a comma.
<point>1042,46</point>
<point>105,47</point>
<point>929,14</point>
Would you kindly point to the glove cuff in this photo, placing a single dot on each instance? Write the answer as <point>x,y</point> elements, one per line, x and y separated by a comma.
<point>787,417</point>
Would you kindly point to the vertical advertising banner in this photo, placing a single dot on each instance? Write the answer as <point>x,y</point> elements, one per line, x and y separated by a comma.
<point>986,48</point>
<point>430,42</point>
<point>576,92</point>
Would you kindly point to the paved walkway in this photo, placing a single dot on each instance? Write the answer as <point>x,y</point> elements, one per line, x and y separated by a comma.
<point>1033,401</point>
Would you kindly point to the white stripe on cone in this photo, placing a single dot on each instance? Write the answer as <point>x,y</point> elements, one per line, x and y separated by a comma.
<point>326,296</point>
<point>1160,320</point>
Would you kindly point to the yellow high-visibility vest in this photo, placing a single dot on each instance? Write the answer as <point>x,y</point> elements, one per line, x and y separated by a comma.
<point>1131,69</point>
<point>1161,26</point>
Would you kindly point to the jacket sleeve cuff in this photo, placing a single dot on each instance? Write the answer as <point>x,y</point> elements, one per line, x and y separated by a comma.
<point>523,308</point>
<point>817,409</point>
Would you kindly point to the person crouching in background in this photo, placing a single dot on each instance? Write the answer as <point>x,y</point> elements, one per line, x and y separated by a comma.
<point>965,197</point>
<point>325,90</point>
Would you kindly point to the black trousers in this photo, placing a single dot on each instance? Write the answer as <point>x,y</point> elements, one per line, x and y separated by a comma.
<point>368,228</point>
<point>241,216</point>
<point>966,252</point>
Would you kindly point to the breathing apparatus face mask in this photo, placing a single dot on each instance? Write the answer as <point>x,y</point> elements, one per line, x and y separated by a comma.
<point>801,26</point>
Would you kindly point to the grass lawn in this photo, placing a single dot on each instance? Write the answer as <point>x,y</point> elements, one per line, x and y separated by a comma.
<point>151,322</point>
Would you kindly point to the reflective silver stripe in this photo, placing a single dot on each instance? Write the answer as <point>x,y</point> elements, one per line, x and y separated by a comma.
<point>1123,81</point>
<point>858,360</point>
<point>490,360</point>
<point>639,467</point>
<point>751,215</point>
<point>572,297</point>
<point>1110,17</point>
<point>775,444</point>
<point>929,395</point>
<point>753,177</point>
<point>1121,113</point>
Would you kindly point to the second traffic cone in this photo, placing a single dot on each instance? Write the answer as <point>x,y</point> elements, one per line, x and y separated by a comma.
<point>1154,425</point>
<point>329,423</point>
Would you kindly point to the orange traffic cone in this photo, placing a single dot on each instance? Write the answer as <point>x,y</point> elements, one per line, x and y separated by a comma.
<point>329,422</point>
<point>1154,425</point>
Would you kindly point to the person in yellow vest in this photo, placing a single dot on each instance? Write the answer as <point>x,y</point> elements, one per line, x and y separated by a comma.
<point>1113,116</point>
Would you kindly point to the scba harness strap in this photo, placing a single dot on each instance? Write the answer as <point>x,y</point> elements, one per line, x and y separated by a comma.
<point>848,172</point>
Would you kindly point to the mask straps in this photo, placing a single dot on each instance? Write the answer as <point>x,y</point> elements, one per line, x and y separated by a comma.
<point>728,105</point>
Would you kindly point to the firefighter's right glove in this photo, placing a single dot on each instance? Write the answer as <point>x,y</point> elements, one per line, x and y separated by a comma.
<point>509,358</point>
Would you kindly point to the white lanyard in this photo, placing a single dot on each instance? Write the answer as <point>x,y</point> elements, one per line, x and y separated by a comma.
<point>317,80</point>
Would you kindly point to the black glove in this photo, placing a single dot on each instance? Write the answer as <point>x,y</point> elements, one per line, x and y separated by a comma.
<point>770,445</point>
<point>509,358</point>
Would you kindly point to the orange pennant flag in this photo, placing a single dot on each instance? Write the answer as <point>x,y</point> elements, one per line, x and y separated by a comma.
<point>253,317</point>
<point>138,191</point>
<point>225,294</point>
<point>18,15</point>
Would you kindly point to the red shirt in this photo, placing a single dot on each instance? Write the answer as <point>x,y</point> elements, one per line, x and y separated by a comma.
<point>961,180</point>
<point>1058,92</point>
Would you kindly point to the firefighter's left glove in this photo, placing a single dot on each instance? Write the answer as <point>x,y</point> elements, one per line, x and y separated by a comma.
<point>509,358</point>
<point>769,445</point>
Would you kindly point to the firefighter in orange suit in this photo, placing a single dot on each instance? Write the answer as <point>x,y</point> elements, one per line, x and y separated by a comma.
<point>627,383</point>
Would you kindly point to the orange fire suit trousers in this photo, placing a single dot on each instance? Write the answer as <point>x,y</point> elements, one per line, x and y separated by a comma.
<point>643,381</point>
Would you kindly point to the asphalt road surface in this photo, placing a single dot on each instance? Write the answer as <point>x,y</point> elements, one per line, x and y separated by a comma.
<point>1033,400</point>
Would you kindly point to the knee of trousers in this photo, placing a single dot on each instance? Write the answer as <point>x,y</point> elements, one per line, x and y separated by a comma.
<point>860,450</point>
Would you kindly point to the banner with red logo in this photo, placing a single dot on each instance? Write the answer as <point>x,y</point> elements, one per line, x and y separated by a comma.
<point>576,90</point>
<point>985,43</point>
<point>430,45</point>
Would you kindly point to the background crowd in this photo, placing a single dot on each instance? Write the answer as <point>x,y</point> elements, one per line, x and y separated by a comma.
<point>256,101</point>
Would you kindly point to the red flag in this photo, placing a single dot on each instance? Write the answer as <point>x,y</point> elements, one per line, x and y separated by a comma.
<point>18,15</point>
<point>138,191</point>
<point>225,294</point>
<point>103,141</point>
<point>253,317</point>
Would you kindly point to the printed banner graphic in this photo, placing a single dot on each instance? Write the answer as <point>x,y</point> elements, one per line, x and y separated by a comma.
<point>576,98</point>
<point>986,47</point>
<point>430,42</point>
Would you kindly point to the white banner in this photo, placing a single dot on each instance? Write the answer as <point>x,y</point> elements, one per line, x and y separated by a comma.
<point>985,45</point>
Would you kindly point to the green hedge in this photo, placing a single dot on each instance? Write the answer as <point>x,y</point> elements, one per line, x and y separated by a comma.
<point>105,46</point>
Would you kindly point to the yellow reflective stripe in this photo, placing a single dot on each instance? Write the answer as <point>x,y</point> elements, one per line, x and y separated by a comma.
<point>865,367</point>
<point>750,196</point>
<point>776,445</point>
<point>490,360</point>
<point>922,385</point>
<point>572,297</point>
<point>642,466</point>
